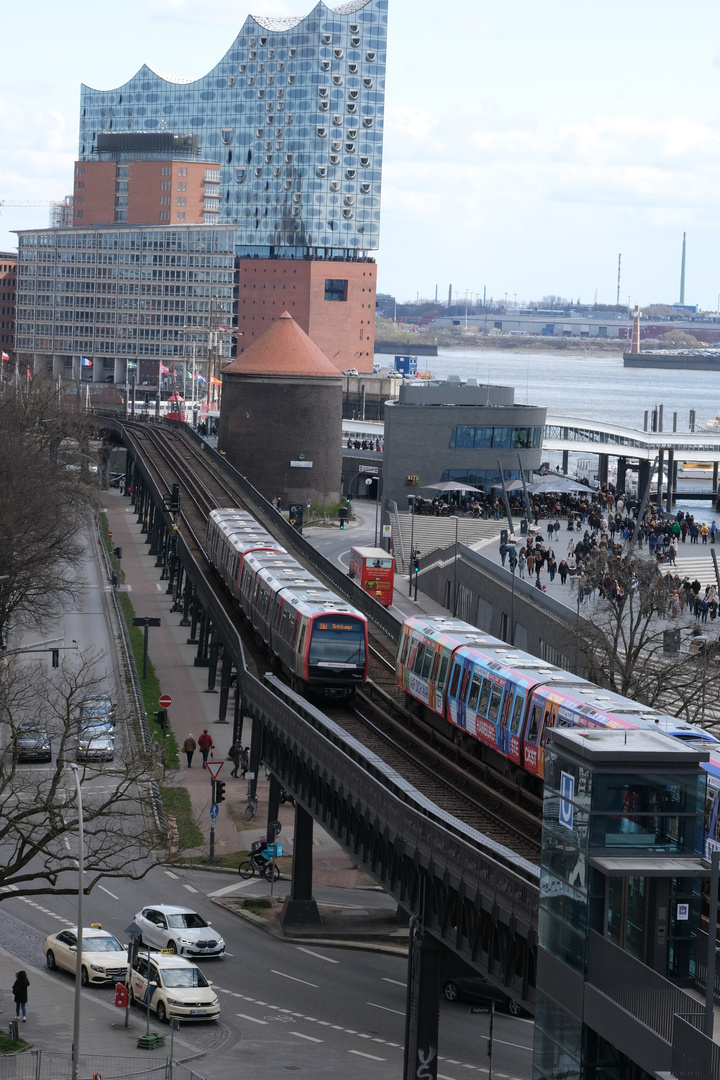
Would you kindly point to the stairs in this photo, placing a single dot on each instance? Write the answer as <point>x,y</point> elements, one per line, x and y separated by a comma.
<point>435,532</point>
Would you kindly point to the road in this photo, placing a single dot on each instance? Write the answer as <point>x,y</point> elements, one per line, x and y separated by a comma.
<point>328,1011</point>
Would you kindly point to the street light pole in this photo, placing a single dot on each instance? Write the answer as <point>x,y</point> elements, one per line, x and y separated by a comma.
<point>454,571</point>
<point>411,503</point>
<point>78,957</point>
<point>378,491</point>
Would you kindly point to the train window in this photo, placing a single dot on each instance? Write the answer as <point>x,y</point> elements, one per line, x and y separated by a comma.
<point>507,703</point>
<point>495,705</point>
<point>484,698</point>
<point>302,638</point>
<point>337,641</point>
<point>534,725</point>
<point>412,655</point>
<point>443,674</point>
<point>517,715</point>
<point>455,680</point>
<point>465,683</point>
<point>474,691</point>
<point>427,662</point>
<point>436,664</point>
<point>405,647</point>
<point>417,666</point>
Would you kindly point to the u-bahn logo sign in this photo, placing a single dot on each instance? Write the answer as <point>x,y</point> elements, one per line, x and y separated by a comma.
<point>567,795</point>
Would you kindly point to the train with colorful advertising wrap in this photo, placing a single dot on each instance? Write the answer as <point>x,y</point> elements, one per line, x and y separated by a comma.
<point>506,700</point>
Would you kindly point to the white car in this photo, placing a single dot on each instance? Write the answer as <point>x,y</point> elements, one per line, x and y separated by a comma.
<point>104,959</point>
<point>176,987</point>
<point>180,929</point>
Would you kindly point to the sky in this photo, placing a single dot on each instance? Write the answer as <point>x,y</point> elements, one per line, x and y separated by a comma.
<point>526,145</point>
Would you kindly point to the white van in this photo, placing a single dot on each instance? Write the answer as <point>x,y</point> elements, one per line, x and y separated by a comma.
<point>177,988</point>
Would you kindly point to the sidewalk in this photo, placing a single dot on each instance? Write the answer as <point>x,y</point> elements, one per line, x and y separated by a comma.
<point>194,709</point>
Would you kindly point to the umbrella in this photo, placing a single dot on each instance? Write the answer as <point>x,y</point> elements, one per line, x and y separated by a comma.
<point>557,485</point>
<point>452,485</point>
<point>514,485</point>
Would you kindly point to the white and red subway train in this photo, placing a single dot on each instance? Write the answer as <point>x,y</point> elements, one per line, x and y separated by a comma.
<point>318,638</point>
<point>506,699</point>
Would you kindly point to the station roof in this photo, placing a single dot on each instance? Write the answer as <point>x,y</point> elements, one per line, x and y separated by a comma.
<point>284,349</point>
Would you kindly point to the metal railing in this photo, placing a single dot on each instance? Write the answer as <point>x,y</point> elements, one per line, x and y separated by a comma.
<point>694,1056</point>
<point>701,966</point>
<point>57,1065</point>
<point>636,988</point>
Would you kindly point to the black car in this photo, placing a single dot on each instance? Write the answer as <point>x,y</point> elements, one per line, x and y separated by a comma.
<point>32,742</point>
<point>478,991</point>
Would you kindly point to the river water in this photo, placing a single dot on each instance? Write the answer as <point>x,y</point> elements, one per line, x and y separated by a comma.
<point>585,386</point>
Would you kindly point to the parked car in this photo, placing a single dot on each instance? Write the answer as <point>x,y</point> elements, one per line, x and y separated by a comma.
<point>176,987</point>
<point>32,742</point>
<point>95,743</point>
<point>476,990</point>
<point>165,926</point>
<point>104,959</point>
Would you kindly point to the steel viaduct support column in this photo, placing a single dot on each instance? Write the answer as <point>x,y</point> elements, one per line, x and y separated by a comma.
<point>565,461</point>
<point>225,672</point>
<point>300,907</point>
<point>661,477</point>
<point>621,475</point>
<point>643,479</point>
<point>422,1012</point>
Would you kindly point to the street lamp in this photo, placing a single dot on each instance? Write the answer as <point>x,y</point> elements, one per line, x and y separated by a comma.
<point>78,957</point>
<point>456,519</point>
<point>378,494</point>
<point>411,510</point>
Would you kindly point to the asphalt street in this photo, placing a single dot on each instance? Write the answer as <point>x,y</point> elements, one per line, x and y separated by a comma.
<point>309,1008</point>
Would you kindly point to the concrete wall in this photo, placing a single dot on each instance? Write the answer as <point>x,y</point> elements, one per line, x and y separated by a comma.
<point>543,627</point>
<point>267,422</point>
<point>343,329</point>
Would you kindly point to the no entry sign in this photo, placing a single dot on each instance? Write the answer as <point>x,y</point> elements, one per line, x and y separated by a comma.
<point>165,701</point>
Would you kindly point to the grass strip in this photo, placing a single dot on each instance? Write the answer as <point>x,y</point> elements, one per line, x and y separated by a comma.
<point>150,686</point>
<point>8,1046</point>
<point>177,803</point>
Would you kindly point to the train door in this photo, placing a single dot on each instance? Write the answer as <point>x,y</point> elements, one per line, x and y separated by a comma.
<point>515,730</point>
<point>532,734</point>
<point>503,724</point>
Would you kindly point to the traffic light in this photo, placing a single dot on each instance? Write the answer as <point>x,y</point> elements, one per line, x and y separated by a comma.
<point>55,654</point>
<point>117,552</point>
<point>342,523</point>
<point>416,562</point>
<point>161,718</point>
<point>219,791</point>
<point>175,497</point>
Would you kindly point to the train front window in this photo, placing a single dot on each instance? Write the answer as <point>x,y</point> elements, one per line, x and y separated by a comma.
<point>337,640</point>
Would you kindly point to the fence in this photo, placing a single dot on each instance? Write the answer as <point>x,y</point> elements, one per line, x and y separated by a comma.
<point>49,1065</point>
<point>694,1056</point>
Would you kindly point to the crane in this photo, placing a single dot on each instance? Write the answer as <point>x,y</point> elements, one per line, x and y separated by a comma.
<point>67,201</point>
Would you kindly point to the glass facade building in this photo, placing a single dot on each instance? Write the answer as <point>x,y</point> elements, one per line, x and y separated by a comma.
<point>294,114</point>
<point>122,296</point>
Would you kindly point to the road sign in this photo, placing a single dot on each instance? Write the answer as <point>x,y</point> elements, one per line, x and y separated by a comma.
<point>214,767</point>
<point>214,810</point>
<point>165,701</point>
<point>387,530</point>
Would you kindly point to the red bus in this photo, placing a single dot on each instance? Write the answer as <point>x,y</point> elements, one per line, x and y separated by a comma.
<point>374,570</point>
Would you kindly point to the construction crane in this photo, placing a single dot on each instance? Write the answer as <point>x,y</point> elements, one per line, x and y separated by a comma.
<point>66,202</point>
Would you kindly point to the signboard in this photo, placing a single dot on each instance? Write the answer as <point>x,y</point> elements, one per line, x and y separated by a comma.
<point>567,794</point>
<point>369,469</point>
<point>214,767</point>
<point>387,530</point>
<point>165,701</point>
<point>214,811</point>
<point>683,912</point>
<point>301,464</point>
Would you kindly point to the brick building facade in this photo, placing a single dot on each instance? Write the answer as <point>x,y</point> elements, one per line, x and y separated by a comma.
<point>146,192</point>
<point>8,299</point>
<point>332,301</point>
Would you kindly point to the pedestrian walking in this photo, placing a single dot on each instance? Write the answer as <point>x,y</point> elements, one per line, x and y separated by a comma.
<point>19,990</point>
<point>206,745</point>
<point>235,755</point>
<point>188,748</point>
<point>245,760</point>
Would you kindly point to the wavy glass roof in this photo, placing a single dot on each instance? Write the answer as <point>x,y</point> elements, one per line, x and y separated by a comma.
<point>292,113</point>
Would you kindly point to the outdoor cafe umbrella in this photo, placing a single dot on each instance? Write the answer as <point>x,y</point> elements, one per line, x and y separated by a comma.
<point>452,485</point>
<point>514,485</point>
<point>557,485</point>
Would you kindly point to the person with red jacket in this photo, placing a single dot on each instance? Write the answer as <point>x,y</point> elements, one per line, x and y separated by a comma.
<point>206,745</point>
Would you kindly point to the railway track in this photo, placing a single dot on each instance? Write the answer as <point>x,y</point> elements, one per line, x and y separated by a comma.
<point>436,766</point>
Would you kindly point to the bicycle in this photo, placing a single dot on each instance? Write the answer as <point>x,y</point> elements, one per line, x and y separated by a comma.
<point>261,860</point>
<point>251,807</point>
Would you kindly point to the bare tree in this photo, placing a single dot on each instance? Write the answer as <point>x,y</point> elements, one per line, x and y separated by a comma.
<point>38,804</point>
<point>45,491</point>
<point>622,641</point>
